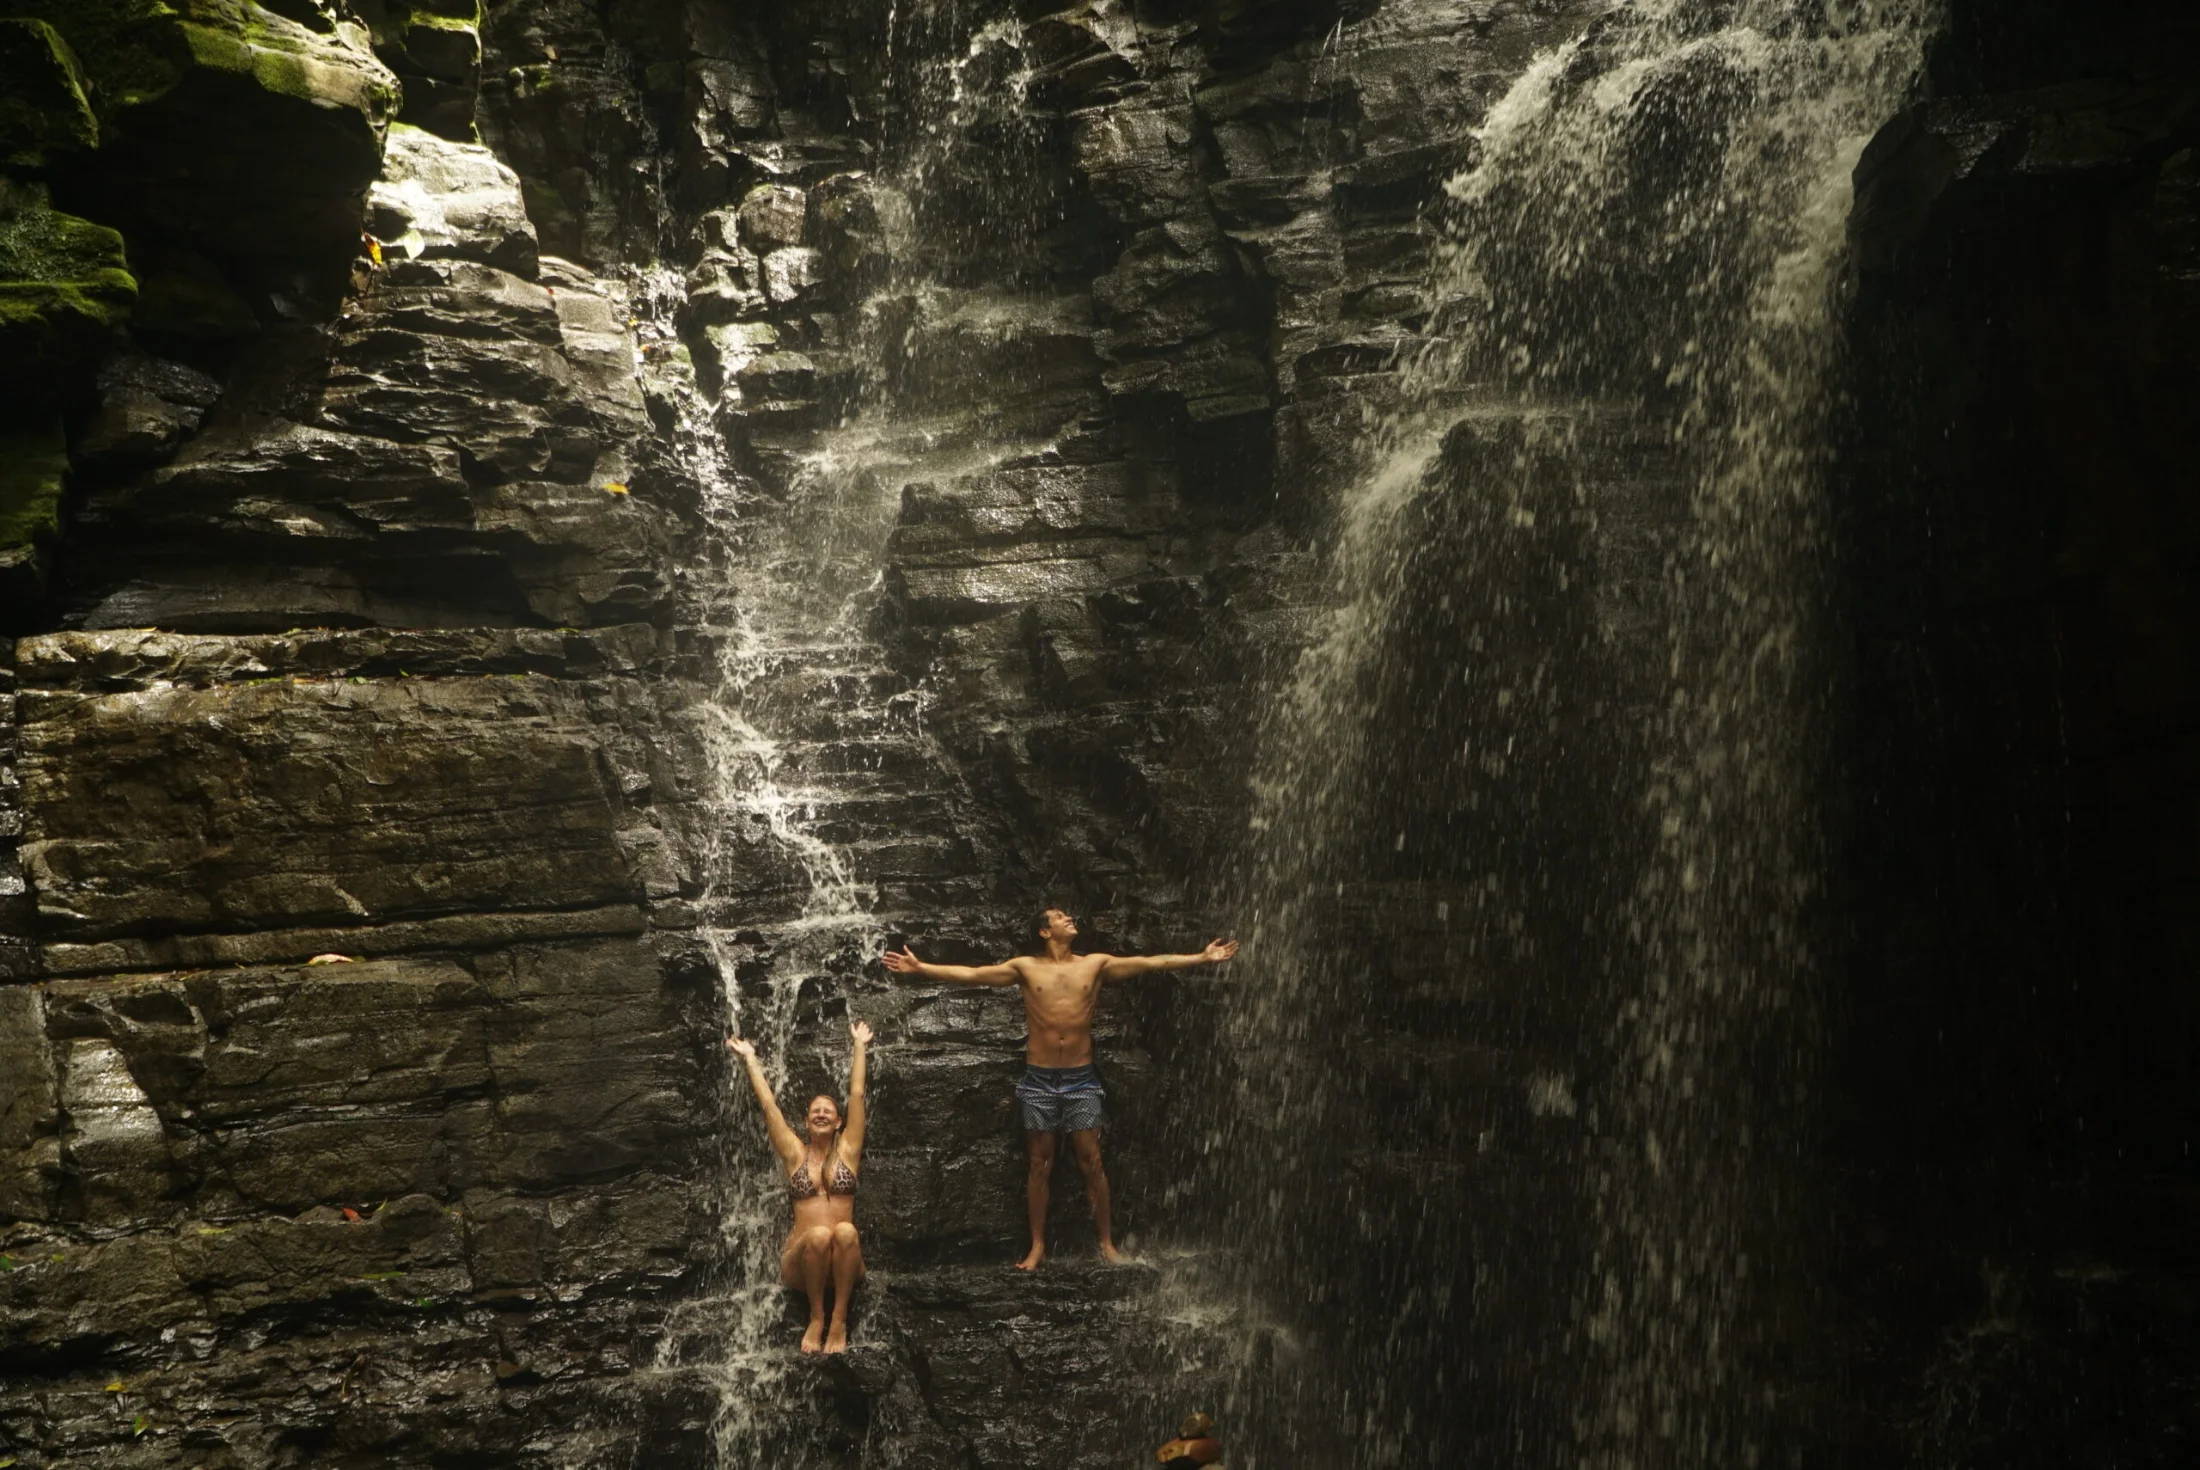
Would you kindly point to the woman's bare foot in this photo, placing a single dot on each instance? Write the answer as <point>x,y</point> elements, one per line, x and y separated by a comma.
<point>1111,1255</point>
<point>815,1337</point>
<point>1031,1262</point>
<point>837,1340</point>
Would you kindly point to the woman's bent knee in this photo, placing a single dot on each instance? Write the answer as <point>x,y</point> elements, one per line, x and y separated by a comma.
<point>817,1238</point>
<point>844,1234</point>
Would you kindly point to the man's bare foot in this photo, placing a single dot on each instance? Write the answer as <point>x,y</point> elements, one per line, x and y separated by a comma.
<point>1031,1262</point>
<point>1111,1255</point>
<point>837,1340</point>
<point>814,1338</point>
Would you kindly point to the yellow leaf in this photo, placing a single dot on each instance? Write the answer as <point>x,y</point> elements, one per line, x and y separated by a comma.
<point>332,959</point>
<point>115,1387</point>
<point>374,250</point>
<point>616,488</point>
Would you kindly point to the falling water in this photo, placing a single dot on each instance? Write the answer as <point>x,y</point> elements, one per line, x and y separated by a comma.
<point>802,698</point>
<point>1553,755</point>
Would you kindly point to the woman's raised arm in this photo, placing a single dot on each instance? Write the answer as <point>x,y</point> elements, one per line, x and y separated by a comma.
<point>784,1142</point>
<point>859,1098</point>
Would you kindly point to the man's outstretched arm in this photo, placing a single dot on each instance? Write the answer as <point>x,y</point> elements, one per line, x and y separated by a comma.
<point>902,962</point>
<point>1123,967</point>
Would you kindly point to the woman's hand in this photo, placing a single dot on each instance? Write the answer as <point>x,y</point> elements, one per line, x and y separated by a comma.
<point>1218,950</point>
<point>742,1047</point>
<point>861,1031</point>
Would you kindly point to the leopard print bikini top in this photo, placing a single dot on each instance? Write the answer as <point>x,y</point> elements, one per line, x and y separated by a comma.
<point>842,1180</point>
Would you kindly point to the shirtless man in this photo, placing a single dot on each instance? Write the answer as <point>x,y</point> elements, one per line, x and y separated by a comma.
<point>1060,1090</point>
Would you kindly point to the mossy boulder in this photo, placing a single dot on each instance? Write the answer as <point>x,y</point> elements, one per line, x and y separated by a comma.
<point>65,286</point>
<point>248,134</point>
<point>34,462</point>
<point>45,109</point>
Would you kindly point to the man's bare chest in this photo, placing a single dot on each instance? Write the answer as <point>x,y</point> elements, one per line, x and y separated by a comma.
<point>1067,989</point>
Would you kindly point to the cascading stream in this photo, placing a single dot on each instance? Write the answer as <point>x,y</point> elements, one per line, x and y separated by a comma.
<point>793,579</point>
<point>1578,624</point>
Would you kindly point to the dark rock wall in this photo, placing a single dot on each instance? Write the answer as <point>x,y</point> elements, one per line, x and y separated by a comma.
<point>2016,1091</point>
<point>371,596</point>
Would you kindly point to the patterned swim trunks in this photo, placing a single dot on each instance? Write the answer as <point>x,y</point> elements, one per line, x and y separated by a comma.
<point>1061,1099</point>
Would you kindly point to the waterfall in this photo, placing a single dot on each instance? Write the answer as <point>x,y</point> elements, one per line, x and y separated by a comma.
<point>1543,789</point>
<point>805,723</point>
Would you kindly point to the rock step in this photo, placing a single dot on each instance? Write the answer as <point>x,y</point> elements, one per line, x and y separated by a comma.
<point>1103,1360</point>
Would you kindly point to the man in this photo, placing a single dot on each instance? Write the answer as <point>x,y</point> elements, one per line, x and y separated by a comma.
<point>1060,1091</point>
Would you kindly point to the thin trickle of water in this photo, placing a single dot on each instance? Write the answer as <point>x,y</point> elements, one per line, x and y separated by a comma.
<point>1578,622</point>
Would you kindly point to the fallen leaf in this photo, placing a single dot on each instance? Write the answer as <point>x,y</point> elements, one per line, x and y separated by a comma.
<point>115,1387</point>
<point>214,1229</point>
<point>374,250</point>
<point>332,959</point>
<point>381,1276</point>
<point>4,1464</point>
<point>615,488</point>
<point>7,1263</point>
<point>350,1213</point>
<point>423,1301</point>
<point>140,1424</point>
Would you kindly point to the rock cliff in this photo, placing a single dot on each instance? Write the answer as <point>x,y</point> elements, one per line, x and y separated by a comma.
<point>533,531</point>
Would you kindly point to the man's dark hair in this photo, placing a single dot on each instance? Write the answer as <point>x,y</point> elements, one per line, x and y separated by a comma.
<point>1043,922</point>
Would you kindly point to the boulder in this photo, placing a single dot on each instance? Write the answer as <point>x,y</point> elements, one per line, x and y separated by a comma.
<point>440,200</point>
<point>146,409</point>
<point>771,217</point>
<point>247,133</point>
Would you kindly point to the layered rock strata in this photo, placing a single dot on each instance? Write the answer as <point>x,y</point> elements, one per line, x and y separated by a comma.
<point>427,422</point>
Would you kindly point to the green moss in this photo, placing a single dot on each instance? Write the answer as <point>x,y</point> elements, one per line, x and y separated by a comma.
<point>42,248</point>
<point>65,286</point>
<point>285,64</point>
<point>44,108</point>
<point>136,50</point>
<point>32,465</point>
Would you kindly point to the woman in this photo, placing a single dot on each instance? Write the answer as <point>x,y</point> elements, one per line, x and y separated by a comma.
<point>821,1166</point>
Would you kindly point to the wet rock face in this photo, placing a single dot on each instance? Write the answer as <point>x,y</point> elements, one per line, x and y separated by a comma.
<point>361,1095</point>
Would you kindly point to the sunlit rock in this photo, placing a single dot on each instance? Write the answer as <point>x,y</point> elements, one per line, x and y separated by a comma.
<point>437,199</point>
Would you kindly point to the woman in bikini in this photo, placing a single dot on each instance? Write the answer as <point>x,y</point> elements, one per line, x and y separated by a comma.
<point>823,1248</point>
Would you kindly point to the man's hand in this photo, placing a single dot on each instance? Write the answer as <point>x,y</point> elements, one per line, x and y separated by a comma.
<point>742,1047</point>
<point>1218,950</point>
<point>861,1031</point>
<point>901,961</point>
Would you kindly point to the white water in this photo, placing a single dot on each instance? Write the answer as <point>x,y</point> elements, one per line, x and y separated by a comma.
<point>1653,235</point>
<point>790,585</point>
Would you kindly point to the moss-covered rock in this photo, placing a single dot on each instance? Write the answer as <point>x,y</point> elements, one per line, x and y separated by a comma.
<point>247,133</point>
<point>65,286</point>
<point>33,465</point>
<point>44,107</point>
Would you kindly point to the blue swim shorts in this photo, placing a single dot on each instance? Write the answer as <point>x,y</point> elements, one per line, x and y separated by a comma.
<point>1061,1099</point>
